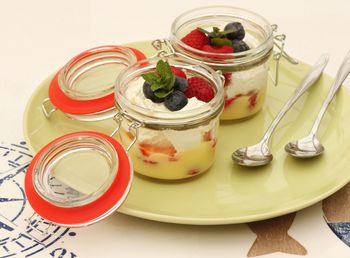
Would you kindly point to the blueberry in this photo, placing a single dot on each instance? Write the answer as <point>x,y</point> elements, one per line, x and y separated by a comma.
<point>239,46</point>
<point>181,84</point>
<point>147,91</point>
<point>238,30</point>
<point>176,100</point>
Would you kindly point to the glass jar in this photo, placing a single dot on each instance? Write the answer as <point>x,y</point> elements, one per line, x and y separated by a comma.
<point>83,88</point>
<point>168,145</point>
<point>246,72</point>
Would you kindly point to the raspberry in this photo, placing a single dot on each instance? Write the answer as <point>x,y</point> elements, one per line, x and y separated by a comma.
<point>196,39</point>
<point>199,88</point>
<point>178,72</point>
<point>217,50</point>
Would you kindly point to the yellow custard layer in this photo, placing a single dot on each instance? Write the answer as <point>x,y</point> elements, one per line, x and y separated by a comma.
<point>164,162</point>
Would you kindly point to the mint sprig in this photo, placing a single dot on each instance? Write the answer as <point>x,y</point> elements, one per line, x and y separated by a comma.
<point>162,80</point>
<point>217,37</point>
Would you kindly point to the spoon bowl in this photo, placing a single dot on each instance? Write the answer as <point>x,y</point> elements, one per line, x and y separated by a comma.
<point>307,147</point>
<point>253,156</point>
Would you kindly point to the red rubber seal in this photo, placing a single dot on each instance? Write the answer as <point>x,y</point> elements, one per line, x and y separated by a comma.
<point>82,215</point>
<point>82,107</point>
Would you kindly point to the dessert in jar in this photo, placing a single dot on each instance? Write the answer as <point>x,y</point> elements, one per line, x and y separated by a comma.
<point>235,41</point>
<point>170,111</point>
<point>83,89</point>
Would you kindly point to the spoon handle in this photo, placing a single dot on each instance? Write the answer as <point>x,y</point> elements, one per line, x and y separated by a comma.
<point>305,84</point>
<point>342,73</point>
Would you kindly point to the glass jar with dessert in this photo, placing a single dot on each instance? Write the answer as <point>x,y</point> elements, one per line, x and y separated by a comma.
<point>169,112</point>
<point>83,88</point>
<point>235,41</point>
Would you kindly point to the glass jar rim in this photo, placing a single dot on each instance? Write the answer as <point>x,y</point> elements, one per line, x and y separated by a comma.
<point>109,198</point>
<point>223,58</point>
<point>183,119</point>
<point>127,53</point>
<point>94,108</point>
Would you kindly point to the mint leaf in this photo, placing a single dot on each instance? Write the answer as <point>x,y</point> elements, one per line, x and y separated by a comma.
<point>163,68</point>
<point>162,93</point>
<point>159,85</point>
<point>225,32</point>
<point>171,81</point>
<point>218,42</point>
<point>162,81</point>
<point>151,78</point>
<point>216,33</point>
<point>166,74</point>
<point>204,31</point>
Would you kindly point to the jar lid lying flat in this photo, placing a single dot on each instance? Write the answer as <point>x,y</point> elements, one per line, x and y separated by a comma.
<point>85,84</point>
<point>79,179</point>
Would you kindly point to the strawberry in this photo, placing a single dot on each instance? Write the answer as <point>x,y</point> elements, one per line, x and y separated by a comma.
<point>228,78</point>
<point>217,50</point>
<point>178,72</point>
<point>199,88</point>
<point>196,39</point>
<point>161,146</point>
<point>252,99</point>
<point>231,100</point>
<point>193,172</point>
<point>151,162</point>
<point>208,136</point>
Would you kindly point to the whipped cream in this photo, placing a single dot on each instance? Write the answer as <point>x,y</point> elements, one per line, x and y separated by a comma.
<point>180,139</point>
<point>243,82</point>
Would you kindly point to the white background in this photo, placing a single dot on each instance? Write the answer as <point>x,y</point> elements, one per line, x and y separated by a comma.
<point>37,37</point>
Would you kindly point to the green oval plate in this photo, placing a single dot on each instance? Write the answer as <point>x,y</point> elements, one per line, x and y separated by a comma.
<point>229,193</point>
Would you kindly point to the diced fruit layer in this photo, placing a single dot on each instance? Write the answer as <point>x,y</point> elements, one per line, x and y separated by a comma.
<point>242,106</point>
<point>199,158</point>
<point>156,145</point>
<point>159,159</point>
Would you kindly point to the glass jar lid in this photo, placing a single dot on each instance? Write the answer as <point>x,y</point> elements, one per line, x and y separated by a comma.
<point>85,84</point>
<point>79,179</point>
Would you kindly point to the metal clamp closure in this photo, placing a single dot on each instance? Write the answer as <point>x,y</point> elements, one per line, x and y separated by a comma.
<point>133,127</point>
<point>47,107</point>
<point>161,52</point>
<point>279,42</point>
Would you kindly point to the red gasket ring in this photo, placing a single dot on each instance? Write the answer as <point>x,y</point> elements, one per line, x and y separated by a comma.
<point>88,213</point>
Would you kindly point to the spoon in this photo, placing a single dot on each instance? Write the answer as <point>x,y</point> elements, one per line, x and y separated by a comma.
<point>310,146</point>
<point>259,154</point>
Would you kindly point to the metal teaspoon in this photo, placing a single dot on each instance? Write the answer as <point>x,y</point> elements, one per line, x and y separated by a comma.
<point>310,146</point>
<point>259,154</point>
